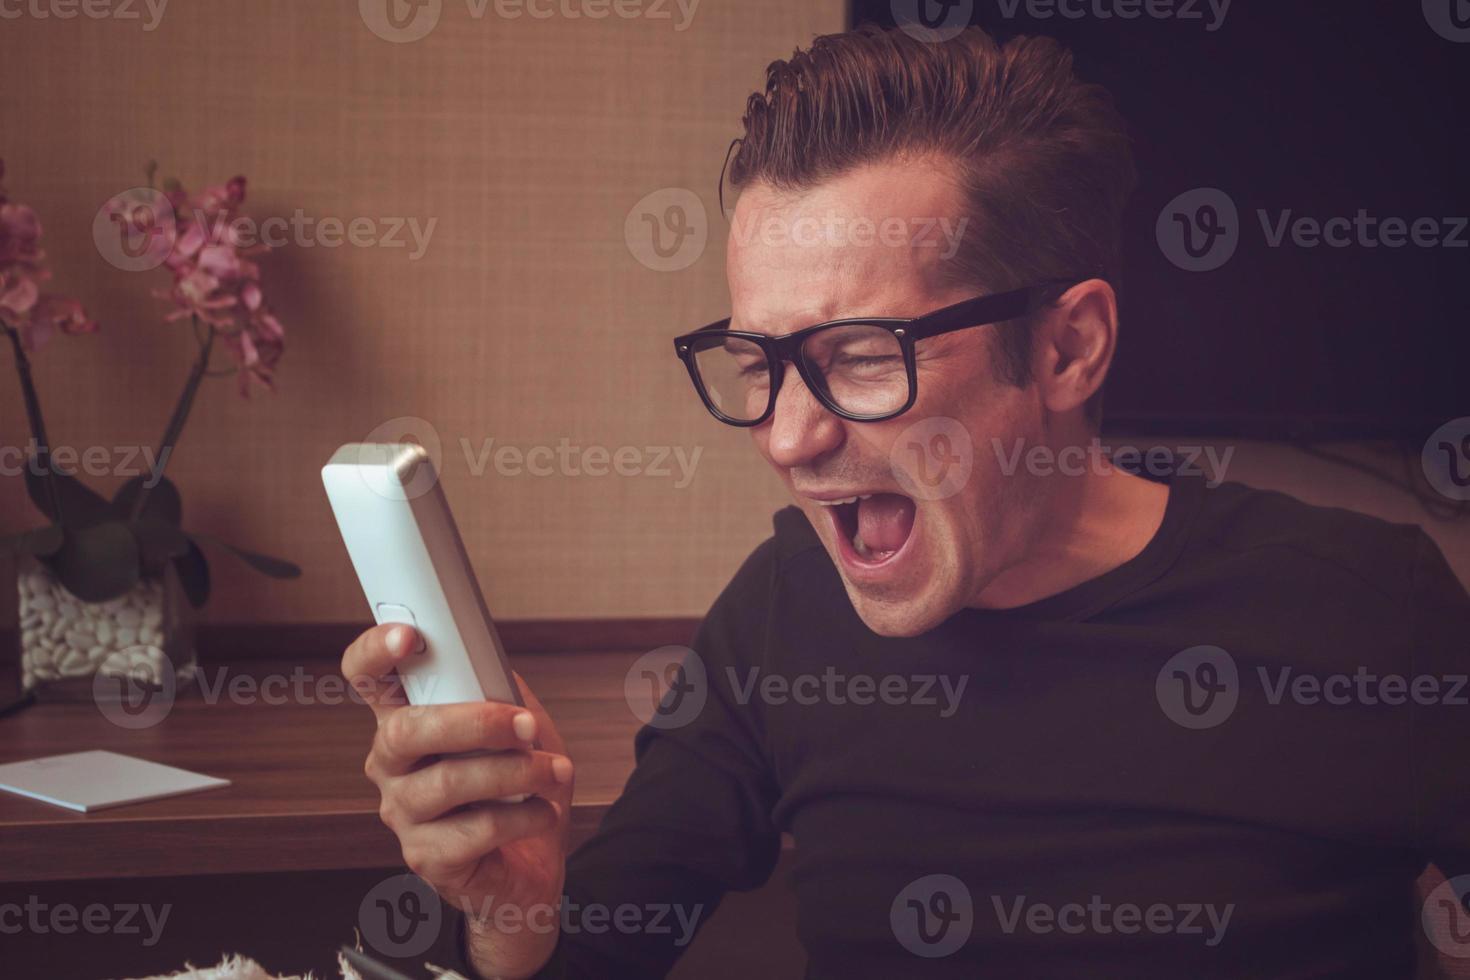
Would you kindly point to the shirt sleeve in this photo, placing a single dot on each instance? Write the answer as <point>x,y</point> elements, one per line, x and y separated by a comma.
<point>693,821</point>
<point>1439,695</point>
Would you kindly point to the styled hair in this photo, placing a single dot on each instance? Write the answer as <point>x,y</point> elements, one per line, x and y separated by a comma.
<point>1043,159</point>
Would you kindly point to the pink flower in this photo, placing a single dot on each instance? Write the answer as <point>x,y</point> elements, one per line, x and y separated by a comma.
<point>53,313</point>
<point>225,199</point>
<point>145,222</point>
<point>216,283</point>
<point>20,237</point>
<point>34,315</point>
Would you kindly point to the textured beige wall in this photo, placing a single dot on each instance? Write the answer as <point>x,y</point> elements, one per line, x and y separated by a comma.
<point>527,320</point>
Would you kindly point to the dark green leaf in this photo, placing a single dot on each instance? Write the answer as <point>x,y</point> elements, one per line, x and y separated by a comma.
<point>97,562</point>
<point>163,500</point>
<point>159,541</point>
<point>193,572</point>
<point>265,564</point>
<point>80,505</point>
<point>37,542</point>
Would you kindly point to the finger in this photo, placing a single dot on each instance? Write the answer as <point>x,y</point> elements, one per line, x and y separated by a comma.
<point>370,661</point>
<point>440,850</point>
<point>424,794</point>
<point>547,737</point>
<point>409,734</point>
<point>550,740</point>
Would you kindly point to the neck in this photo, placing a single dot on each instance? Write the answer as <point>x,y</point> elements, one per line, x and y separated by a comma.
<point>1084,527</point>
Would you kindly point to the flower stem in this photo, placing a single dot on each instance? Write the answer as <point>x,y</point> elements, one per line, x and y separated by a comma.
<point>33,413</point>
<point>179,417</point>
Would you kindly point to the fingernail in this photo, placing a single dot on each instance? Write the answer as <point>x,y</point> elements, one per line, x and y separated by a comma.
<point>561,769</point>
<point>397,640</point>
<point>525,726</point>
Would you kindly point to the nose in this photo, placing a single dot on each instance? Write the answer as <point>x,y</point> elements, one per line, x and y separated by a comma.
<point>800,430</point>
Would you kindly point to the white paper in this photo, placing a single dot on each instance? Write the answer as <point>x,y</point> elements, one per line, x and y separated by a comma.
<point>90,781</point>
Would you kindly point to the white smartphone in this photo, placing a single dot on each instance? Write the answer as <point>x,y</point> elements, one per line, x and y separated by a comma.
<point>413,567</point>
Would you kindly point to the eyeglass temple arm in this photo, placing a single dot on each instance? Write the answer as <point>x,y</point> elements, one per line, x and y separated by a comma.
<point>994,308</point>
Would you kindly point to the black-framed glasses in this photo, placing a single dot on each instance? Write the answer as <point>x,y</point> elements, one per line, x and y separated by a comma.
<point>860,368</point>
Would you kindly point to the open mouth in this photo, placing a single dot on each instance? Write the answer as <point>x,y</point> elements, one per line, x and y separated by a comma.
<point>875,525</point>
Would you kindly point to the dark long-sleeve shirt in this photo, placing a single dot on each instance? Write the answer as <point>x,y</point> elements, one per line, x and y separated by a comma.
<point>1229,757</point>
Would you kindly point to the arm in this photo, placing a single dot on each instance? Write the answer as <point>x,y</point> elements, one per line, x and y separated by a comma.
<point>692,823</point>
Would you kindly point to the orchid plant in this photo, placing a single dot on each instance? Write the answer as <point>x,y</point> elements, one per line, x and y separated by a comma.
<point>99,548</point>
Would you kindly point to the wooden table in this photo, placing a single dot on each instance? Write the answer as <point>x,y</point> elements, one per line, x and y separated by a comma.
<point>299,800</point>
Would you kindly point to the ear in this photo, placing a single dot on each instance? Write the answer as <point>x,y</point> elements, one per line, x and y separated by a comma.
<point>1075,340</point>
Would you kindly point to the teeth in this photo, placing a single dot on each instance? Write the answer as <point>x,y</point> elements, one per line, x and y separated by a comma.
<point>844,500</point>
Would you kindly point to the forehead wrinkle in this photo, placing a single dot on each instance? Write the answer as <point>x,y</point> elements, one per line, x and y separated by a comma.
<point>783,286</point>
<point>845,286</point>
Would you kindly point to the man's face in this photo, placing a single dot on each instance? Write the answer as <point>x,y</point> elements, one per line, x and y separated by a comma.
<point>924,539</point>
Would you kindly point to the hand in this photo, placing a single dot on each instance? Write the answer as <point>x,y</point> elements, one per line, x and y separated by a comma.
<point>502,864</point>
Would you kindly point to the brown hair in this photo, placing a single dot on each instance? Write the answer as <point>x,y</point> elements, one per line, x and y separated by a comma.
<point>1043,159</point>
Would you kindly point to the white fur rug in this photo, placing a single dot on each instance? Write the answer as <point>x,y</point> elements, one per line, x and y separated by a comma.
<point>241,968</point>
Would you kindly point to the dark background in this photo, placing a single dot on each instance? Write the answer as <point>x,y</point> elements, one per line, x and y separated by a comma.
<point>1322,108</point>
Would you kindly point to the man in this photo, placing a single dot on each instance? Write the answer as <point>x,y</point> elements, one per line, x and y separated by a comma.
<point>1116,770</point>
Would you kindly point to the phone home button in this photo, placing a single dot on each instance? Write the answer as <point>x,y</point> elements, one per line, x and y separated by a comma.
<point>392,612</point>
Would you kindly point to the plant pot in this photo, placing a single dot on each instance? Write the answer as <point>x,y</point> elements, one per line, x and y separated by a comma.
<point>144,634</point>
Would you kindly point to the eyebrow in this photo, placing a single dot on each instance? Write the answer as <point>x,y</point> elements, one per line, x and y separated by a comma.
<point>729,345</point>
<point>810,318</point>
